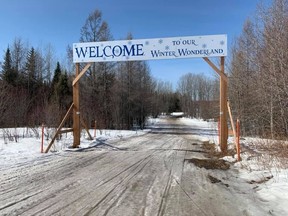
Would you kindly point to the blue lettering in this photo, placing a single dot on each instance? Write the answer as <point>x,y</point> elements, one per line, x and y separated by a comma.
<point>92,51</point>
<point>154,53</point>
<point>126,50</point>
<point>98,52</point>
<point>139,49</point>
<point>181,52</point>
<point>104,51</point>
<point>186,52</point>
<point>218,51</point>
<point>189,42</point>
<point>111,51</point>
<point>158,53</point>
<point>117,51</point>
<point>81,52</point>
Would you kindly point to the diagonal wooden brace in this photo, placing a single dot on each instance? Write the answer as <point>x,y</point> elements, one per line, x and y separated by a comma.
<point>81,73</point>
<point>60,127</point>
<point>217,70</point>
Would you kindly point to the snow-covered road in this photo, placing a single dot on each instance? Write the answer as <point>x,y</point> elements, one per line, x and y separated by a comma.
<point>144,175</point>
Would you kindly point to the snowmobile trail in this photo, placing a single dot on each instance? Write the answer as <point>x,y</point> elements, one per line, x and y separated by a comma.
<point>145,175</point>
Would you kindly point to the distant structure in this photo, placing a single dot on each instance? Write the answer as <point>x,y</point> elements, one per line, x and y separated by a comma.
<point>177,114</point>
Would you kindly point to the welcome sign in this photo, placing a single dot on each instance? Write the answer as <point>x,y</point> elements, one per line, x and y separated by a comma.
<point>151,49</point>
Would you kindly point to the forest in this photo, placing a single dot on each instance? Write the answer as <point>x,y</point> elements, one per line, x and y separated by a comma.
<point>35,87</point>
<point>258,72</point>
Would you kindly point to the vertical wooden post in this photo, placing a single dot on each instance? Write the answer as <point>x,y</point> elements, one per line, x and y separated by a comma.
<point>223,103</point>
<point>42,139</point>
<point>76,110</point>
<point>219,135</point>
<point>223,110</point>
<point>95,127</point>
<point>238,140</point>
<point>231,121</point>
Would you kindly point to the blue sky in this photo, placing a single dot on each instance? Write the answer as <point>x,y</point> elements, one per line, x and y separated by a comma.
<point>58,22</point>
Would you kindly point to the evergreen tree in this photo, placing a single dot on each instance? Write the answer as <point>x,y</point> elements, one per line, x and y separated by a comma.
<point>31,72</point>
<point>8,72</point>
<point>56,77</point>
<point>174,105</point>
<point>63,91</point>
<point>55,80</point>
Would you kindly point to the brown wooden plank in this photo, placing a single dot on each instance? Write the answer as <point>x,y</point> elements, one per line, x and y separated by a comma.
<point>217,70</point>
<point>76,111</point>
<point>81,73</point>
<point>86,128</point>
<point>59,128</point>
<point>223,109</point>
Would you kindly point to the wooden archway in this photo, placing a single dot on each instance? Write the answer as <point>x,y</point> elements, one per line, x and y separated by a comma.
<point>135,51</point>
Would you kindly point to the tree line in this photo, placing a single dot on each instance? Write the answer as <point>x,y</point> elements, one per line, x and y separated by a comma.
<point>35,88</point>
<point>258,72</point>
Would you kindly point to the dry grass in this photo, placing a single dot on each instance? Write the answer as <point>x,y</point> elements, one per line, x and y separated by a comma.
<point>278,148</point>
<point>270,153</point>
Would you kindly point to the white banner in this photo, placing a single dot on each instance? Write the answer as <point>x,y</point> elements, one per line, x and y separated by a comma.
<point>151,49</point>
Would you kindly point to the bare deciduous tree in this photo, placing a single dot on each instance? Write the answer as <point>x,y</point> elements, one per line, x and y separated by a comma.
<point>198,95</point>
<point>259,71</point>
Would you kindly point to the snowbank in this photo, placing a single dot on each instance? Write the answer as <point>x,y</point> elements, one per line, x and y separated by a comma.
<point>25,143</point>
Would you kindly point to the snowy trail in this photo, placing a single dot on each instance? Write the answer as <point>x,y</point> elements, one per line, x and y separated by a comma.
<point>145,175</point>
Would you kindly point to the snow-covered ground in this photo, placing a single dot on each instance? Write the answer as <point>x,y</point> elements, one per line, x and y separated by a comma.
<point>268,175</point>
<point>25,143</point>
